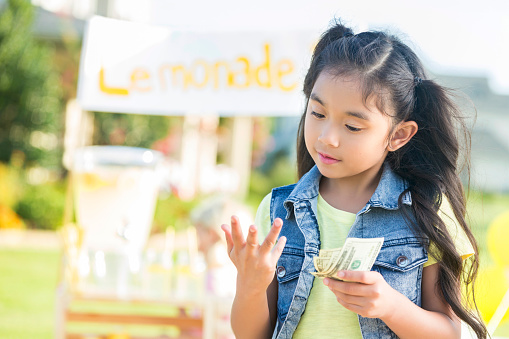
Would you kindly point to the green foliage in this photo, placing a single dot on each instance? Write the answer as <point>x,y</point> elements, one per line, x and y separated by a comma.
<point>10,185</point>
<point>172,211</point>
<point>283,172</point>
<point>30,93</point>
<point>135,130</point>
<point>42,206</point>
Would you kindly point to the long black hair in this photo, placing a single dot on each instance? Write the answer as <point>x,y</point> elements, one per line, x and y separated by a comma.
<point>391,72</point>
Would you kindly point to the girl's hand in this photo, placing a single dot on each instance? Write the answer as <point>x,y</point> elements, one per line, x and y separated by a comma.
<point>256,264</point>
<point>365,293</point>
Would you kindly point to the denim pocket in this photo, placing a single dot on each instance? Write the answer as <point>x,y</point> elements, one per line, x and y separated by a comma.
<point>400,263</point>
<point>288,270</point>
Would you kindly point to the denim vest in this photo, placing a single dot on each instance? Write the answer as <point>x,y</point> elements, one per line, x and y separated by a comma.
<point>400,259</point>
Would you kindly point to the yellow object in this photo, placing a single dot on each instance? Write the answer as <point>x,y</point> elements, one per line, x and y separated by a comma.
<point>491,285</point>
<point>9,218</point>
<point>498,233</point>
<point>119,336</point>
<point>92,181</point>
<point>9,185</point>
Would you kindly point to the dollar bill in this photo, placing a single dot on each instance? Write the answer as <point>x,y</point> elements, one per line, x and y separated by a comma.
<point>321,263</point>
<point>357,254</point>
<point>326,259</point>
<point>334,258</point>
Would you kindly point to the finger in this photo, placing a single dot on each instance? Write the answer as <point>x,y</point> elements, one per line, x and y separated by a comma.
<point>350,288</point>
<point>271,238</point>
<point>351,299</point>
<point>363,277</point>
<point>352,307</point>
<point>252,238</point>
<point>228,235</point>
<point>278,249</point>
<point>237,236</point>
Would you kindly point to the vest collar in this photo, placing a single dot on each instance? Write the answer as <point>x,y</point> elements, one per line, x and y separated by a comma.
<point>386,194</point>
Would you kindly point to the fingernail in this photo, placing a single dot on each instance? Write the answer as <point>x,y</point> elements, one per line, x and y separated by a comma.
<point>252,228</point>
<point>326,282</point>
<point>341,274</point>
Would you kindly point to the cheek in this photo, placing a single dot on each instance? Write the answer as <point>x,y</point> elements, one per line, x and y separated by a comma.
<point>363,149</point>
<point>375,151</point>
<point>308,132</point>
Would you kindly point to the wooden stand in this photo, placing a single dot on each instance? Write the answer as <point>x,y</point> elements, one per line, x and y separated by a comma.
<point>187,322</point>
<point>189,315</point>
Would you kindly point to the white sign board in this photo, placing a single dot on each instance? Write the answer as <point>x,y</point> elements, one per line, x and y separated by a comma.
<point>129,67</point>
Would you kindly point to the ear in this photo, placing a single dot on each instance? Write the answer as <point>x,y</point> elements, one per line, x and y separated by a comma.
<point>402,135</point>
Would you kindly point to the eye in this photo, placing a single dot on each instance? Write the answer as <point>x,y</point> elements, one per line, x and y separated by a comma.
<point>317,115</point>
<point>353,129</point>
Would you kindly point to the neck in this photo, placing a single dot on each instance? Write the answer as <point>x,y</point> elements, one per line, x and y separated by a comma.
<point>352,193</point>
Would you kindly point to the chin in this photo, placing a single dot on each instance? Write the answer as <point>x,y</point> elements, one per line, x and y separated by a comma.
<point>328,170</point>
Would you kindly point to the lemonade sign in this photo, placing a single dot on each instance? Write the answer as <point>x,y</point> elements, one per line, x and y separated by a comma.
<point>136,68</point>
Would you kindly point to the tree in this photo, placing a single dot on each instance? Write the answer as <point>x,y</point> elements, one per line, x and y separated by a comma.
<point>31,116</point>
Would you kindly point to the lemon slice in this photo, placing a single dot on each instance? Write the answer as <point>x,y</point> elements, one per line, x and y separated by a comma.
<point>92,181</point>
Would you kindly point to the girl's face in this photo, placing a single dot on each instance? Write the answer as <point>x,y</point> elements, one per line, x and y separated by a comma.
<point>207,237</point>
<point>345,137</point>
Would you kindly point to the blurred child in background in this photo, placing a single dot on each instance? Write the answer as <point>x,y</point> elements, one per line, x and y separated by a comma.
<point>214,211</point>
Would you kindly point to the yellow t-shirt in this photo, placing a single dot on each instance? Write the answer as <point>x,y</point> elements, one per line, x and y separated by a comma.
<point>324,316</point>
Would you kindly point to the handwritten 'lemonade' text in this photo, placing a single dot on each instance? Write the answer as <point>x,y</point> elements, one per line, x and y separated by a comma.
<point>199,74</point>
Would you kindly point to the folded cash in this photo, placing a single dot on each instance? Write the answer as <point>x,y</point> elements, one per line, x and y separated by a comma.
<point>357,254</point>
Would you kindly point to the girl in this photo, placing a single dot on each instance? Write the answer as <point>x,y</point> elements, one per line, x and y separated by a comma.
<point>205,217</point>
<point>377,157</point>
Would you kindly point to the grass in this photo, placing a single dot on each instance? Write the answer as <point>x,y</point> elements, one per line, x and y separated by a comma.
<point>29,277</point>
<point>27,293</point>
<point>28,284</point>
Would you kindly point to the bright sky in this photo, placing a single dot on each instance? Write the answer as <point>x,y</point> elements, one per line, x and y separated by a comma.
<point>467,37</point>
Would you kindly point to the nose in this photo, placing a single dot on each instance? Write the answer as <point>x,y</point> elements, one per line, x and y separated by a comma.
<point>329,136</point>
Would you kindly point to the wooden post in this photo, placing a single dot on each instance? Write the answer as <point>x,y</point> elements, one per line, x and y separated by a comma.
<point>198,152</point>
<point>189,156</point>
<point>79,128</point>
<point>207,154</point>
<point>240,152</point>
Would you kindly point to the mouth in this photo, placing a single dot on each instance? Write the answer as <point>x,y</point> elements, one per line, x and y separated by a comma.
<point>326,159</point>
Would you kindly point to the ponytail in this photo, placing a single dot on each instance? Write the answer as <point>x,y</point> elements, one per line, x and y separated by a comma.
<point>390,71</point>
<point>429,164</point>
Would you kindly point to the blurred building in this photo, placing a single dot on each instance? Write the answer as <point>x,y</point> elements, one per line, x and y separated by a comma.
<point>490,137</point>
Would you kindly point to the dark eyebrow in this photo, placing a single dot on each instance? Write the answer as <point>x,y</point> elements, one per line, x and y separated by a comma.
<point>358,115</point>
<point>316,98</point>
